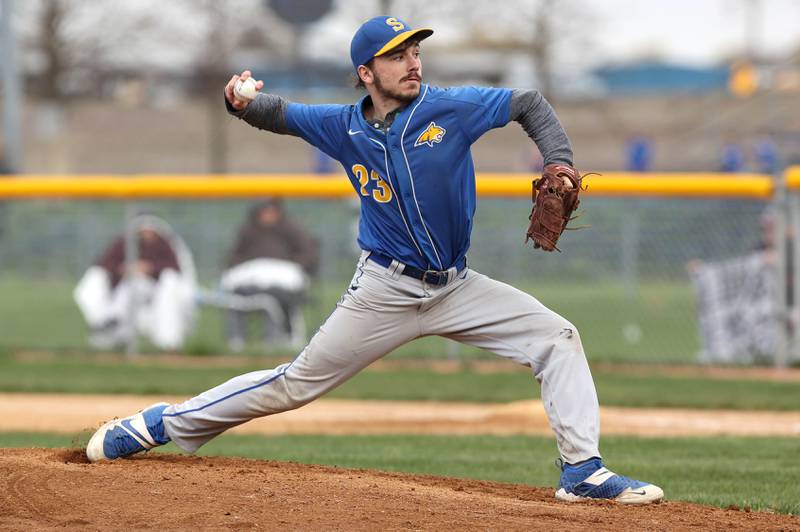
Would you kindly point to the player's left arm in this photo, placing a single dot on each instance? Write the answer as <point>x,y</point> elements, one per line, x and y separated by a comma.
<point>536,116</point>
<point>560,182</point>
<point>485,108</point>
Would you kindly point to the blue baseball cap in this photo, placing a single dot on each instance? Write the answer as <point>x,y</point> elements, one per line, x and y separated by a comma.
<point>379,35</point>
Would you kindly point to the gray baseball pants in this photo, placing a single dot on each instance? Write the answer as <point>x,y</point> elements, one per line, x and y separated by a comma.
<point>383,309</point>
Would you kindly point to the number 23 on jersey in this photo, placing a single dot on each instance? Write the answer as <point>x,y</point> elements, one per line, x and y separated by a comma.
<point>381,191</point>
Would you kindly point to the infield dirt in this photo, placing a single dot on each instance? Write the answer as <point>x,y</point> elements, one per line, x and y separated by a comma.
<point>45,489</point>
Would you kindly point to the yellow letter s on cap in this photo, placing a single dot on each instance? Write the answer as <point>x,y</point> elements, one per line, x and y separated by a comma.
<point>395,24</point>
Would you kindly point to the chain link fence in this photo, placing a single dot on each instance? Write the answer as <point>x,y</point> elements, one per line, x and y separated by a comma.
<point>624,281</point>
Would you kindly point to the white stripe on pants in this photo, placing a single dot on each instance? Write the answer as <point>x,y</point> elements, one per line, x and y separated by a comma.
<point>378,313</point>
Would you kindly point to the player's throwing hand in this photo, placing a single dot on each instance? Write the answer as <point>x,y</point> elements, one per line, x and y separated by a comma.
<point>237,100</point>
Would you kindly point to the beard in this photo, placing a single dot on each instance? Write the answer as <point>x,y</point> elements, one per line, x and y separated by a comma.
<point>405,97</point>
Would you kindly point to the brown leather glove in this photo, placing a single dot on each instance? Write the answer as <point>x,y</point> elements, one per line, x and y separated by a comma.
<point>555,198</point>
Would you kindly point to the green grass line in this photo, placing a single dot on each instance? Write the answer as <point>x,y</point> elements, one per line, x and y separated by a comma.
<point>614,389</point>
<point>760,473</point>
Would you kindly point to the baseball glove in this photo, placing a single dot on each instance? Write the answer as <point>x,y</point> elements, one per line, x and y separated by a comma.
<point>555,198</point>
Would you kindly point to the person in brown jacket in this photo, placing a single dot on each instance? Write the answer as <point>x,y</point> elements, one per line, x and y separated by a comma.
<point>155,255</point>
<point>154,299</point>
<point>267,275</point>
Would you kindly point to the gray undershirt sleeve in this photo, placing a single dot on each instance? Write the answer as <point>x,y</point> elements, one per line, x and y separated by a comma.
<point>267,111</point>
<point>537,118</point>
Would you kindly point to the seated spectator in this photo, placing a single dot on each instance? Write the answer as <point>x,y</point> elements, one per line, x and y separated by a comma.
<point>155,299</point>
<point>268,268</point>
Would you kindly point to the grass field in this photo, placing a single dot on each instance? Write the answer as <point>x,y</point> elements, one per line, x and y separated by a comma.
<point>614,389</point>
<point>757,473</point>
<point>40,314</point>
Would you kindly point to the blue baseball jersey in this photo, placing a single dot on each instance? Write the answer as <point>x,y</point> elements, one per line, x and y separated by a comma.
<point>417,180</point>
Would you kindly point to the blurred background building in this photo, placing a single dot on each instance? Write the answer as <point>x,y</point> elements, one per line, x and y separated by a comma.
<point>688,75</point>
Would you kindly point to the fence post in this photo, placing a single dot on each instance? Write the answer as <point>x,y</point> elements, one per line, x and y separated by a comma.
<point>782,310</point>
<point>131,273</point>
<point>12,87</point>
<point>794,272</point>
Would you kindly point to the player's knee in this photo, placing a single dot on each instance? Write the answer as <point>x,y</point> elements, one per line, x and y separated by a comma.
<point>564,339</point>
<point>569,332</point>
<point>562,329</point>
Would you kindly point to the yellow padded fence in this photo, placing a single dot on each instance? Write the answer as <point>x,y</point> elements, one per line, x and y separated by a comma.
<point>311,186</point>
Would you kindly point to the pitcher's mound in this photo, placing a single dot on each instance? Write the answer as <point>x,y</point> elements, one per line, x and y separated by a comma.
<point>56,488</point>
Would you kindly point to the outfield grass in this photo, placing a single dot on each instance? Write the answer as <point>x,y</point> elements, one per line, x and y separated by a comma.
<point>41,314</point>
<point>614,389</point>
<point>760,473</point>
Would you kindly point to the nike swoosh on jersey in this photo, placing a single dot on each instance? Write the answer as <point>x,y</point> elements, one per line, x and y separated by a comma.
<point>351,132</point>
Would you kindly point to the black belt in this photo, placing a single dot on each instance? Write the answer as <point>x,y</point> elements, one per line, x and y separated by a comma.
<point>434,277</point>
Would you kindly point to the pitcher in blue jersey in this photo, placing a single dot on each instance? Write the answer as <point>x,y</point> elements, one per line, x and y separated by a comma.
<point>406,148</point>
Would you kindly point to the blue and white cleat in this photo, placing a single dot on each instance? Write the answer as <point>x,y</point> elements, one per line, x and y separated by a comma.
<point>591,480</point>
<point>123,437</point>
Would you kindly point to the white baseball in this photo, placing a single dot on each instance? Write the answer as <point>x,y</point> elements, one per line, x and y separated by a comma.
<point>245,90</point>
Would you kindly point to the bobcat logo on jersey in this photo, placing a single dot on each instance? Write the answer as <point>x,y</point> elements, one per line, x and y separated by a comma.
<point>433,134</point>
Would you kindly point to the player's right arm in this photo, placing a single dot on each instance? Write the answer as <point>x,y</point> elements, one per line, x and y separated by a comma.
<point>266,111</point>
<point>322,126</point>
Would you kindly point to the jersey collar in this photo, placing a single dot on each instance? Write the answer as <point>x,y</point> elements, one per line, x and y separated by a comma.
<point>359,123</point>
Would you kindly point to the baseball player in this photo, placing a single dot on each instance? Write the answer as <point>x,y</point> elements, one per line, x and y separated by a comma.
<point>406,148</point>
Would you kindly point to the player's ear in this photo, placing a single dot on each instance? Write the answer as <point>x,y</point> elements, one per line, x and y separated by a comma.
<point>365,74</point>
